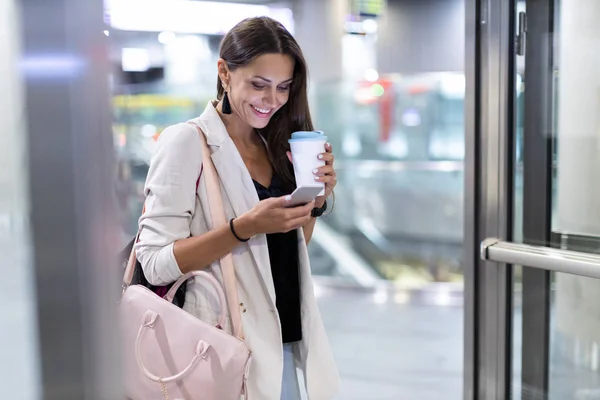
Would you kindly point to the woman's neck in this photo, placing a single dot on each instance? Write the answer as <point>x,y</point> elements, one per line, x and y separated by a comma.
<point>238,130</point>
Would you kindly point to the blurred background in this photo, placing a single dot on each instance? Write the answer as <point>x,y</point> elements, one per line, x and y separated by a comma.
<point>88,87</point>
<point>387,87</point>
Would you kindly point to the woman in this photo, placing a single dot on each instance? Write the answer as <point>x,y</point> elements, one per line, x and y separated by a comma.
<point>262,79</point>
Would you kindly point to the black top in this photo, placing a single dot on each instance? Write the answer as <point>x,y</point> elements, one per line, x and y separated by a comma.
<point>283,254</point>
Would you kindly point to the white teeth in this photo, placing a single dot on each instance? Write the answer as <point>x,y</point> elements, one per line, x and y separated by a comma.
<point>262,110</point>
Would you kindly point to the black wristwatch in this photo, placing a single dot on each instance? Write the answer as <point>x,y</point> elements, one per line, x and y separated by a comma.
<point>317,212</point>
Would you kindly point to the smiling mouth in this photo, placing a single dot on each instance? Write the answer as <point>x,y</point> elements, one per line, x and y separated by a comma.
<point>262,112</point>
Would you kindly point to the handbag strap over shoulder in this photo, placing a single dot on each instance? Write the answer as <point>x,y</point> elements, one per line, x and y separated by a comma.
<point>217,212</point>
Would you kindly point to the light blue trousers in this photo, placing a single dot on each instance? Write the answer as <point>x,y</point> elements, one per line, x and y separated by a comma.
<point>290,389</point>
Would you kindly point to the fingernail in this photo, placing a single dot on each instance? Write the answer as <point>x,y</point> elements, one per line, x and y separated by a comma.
<point>288,197</point>
<point>315,171</point>
<point>320,156</point>
<point>316,178</point>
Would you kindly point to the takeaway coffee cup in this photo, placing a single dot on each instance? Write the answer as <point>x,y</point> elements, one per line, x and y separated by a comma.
<point>305,147</point>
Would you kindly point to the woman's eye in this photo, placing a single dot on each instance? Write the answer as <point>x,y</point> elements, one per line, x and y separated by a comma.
<point>284,88</point>
<point>258,87</point>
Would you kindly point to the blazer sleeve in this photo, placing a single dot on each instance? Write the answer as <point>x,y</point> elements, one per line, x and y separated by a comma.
<point>170,192</point>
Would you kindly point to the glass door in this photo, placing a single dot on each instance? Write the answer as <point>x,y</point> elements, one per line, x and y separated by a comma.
<point>532,193</point>
<point>556,200</point>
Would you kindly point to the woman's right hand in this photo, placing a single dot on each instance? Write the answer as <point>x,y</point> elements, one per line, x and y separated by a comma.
<point>273,216</point>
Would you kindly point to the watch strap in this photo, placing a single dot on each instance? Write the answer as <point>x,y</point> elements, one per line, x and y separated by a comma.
<point>318,211</point>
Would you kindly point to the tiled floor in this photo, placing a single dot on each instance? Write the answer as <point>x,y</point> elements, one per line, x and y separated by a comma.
<point>392,351</point>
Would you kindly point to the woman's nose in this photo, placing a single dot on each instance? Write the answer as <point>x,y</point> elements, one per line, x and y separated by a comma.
<point>270,99</point>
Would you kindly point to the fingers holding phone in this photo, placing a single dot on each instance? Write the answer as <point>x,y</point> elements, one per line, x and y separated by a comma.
<point>278,215</point>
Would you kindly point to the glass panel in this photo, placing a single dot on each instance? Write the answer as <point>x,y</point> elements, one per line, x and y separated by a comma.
<point>575,339</point>
<point>575,326</point>
<point>517,317</point>
<point>517,344</point>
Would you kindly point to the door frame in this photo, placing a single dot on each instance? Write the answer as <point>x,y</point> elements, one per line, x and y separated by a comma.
<point>489,176</point>
<point>490,167</point>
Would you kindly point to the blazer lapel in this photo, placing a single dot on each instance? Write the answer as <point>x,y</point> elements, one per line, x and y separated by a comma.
<point>237,185</point>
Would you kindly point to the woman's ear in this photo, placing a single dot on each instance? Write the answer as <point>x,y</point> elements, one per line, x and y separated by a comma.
<point>223,71</point>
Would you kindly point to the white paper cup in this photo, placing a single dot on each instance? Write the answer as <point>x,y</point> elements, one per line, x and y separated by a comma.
<point>305,147</point>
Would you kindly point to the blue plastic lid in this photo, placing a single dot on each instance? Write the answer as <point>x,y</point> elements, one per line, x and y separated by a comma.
<point>307,135</point>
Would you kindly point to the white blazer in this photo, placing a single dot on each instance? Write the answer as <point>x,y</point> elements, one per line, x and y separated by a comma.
<point>175,210</point>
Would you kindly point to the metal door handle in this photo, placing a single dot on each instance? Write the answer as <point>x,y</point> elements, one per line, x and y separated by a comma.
<point>566,261</point>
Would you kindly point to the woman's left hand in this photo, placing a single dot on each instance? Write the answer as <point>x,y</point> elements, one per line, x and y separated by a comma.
<point>324,174</point>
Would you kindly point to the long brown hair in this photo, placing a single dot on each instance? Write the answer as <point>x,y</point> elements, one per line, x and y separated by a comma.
<point>245,42</point>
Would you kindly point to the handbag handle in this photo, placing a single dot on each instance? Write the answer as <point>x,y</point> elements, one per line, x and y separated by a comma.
<point>217,213</point>
<point>148,323</point>
<point>211,279</point>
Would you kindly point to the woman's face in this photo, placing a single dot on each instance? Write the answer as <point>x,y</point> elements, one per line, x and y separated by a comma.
<point>258,90</point>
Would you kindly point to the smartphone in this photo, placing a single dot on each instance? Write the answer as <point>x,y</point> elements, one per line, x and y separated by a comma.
<point>304,195</point>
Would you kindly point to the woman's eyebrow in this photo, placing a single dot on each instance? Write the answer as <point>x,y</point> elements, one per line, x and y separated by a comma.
<point>269,81</point>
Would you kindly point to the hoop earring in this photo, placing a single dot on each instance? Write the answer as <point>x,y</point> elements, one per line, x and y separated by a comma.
<point>226,105</point>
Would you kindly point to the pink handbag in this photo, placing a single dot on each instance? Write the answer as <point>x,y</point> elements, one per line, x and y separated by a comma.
<point>170,354</point>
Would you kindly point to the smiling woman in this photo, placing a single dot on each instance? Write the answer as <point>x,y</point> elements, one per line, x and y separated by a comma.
<point>261,101</point>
